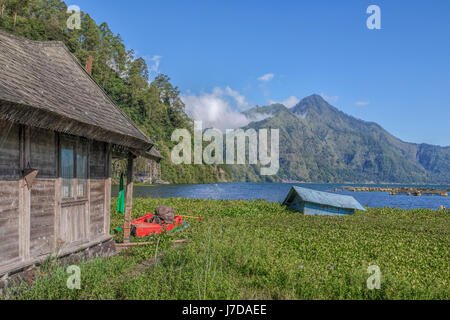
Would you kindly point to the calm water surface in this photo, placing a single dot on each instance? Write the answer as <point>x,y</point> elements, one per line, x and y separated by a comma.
<point>276,192</point>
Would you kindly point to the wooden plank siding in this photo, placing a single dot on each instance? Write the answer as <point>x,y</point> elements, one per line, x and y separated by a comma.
<point>97,207</point>
<point>10,154</point>
<point>9,222</point>
<point>38,221</point>
<point>9,192</point>
<point>73,223</point>
<point>129,200</point>
<point>108,167</point>
<point>42,217</point>
<point>42,203</point>
<point>97,170</point>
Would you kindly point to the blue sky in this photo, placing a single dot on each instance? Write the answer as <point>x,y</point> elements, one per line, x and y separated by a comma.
<point>236,54</point>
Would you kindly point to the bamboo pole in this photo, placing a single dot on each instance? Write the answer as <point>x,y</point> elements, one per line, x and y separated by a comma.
<point>129,200</point>
<point>191,217</point>
<point>134,244</point>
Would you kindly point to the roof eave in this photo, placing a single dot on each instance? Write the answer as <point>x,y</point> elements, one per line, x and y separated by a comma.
<point>45,119</point>
<point>131,137</point>
<point>105,94</point>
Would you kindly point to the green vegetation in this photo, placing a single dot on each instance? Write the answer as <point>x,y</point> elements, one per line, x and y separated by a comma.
<point>260,250</point>
<point>155,106</point>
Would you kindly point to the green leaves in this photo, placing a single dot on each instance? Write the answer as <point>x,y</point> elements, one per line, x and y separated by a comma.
<point>260,250</point>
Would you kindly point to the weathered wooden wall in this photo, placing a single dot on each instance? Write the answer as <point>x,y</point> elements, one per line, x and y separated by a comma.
<point>97,207</point>
<point>42,216</point>
<point>37,221</point>
<point>9,193</point>
<point>42,199</point>
<point>9,222</point>
<point>73,223</point>
<point>97,161</point>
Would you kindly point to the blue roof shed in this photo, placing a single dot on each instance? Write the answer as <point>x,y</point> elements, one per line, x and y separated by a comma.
<point>313,202</point>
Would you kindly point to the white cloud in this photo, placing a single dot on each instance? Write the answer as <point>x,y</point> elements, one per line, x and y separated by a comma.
<point>361,103</point>
<point>240,99</point>
<point>153,63</point>
<point>267,77</point>
<point>259,117</point>
<point>330,99</point>
<point>215,109</point>
<point>289,102</point>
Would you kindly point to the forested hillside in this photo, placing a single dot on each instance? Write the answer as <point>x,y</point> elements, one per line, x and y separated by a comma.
<point>155,106</point>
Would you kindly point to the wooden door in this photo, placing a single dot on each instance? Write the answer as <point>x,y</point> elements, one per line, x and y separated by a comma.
<point>73,223</point>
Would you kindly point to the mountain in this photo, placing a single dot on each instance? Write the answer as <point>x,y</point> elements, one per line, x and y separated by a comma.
<point>320,143</point>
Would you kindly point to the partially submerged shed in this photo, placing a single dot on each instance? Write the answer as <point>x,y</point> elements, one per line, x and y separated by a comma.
<point>313,202</point>
<point>58,134</point>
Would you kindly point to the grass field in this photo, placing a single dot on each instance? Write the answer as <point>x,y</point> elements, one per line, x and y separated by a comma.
<point>260,250</point>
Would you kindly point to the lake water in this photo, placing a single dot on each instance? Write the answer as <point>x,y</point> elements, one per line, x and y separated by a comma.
<point>276,192</point>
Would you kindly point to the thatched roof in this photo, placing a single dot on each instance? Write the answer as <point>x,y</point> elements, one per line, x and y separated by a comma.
<point>43,85</point>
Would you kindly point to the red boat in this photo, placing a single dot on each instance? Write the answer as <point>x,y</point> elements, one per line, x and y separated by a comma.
<point>144,228</point>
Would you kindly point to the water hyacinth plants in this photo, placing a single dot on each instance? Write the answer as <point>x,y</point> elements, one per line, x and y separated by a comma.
<point>261,250</point>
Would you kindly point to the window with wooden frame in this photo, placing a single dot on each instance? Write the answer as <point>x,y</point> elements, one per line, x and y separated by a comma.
<point>82,170</point>
<point>74,167</point>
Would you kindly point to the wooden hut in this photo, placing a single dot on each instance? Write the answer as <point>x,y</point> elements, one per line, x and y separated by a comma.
<point>58,134</point>
<point>313,202</point>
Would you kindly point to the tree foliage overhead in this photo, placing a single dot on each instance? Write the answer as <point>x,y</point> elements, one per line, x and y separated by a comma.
<point>155,106</point>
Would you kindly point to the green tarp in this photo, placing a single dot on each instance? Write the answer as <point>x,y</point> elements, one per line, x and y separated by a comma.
<point>121,200</point>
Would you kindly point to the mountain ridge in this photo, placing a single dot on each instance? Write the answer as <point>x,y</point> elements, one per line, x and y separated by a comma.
<point>320,143</point>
